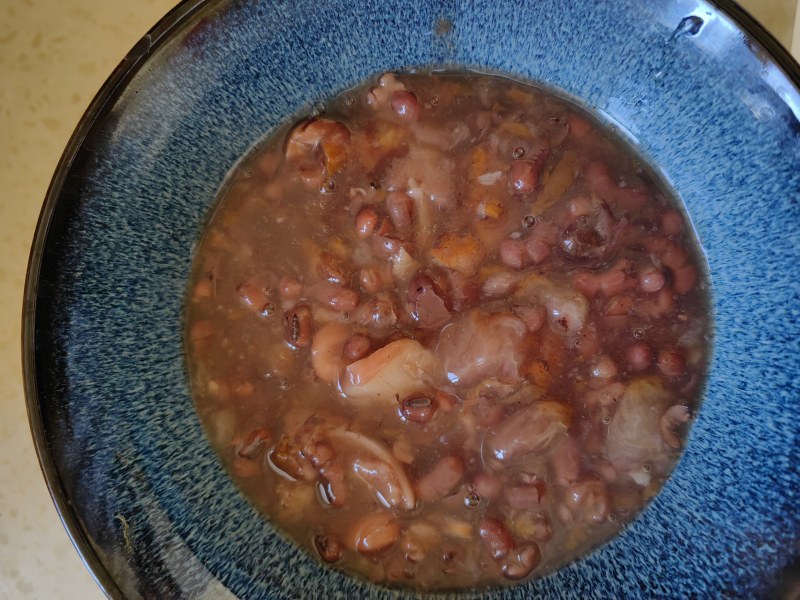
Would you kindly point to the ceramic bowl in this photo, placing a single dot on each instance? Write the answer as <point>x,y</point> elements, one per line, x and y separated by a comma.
<point>706,95</point>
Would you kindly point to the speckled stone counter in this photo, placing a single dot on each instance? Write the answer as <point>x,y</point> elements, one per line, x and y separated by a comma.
<point>54,56</point>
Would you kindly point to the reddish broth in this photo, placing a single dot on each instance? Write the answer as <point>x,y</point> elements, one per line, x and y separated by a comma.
<point>449,333</point>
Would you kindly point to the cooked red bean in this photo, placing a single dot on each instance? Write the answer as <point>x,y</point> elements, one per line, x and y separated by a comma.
<point>533,316</point>
<point>522,561</point>
<point>378,312</point>
<point>487,485</point>
<point>418,408</point>
<point>496,538</point>
<point>298,326</point>
<point>513,253</point>
<point>492,318</point>
<point>290,289</point>
<point>253,442</point>
<point>428,306</point>
<point>401,209</point>
<point>370,279</point>
<point>523,496</point>
<point>651,280</point>
<point>330,269</point>
<point>441,480</point>
<point>639,356</point>
<point>367,221</point>
<point>524,175</point>
<point>374,532</point>
<point>588,501</point>
<point>405,104</point>
<point>670,362</point>
<point>357,346</point>
<point>684,279</point>
<point>330,547</point>
<point>334,296</point>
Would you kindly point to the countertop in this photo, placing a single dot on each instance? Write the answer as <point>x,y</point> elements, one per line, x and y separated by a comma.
<point>54,56</point>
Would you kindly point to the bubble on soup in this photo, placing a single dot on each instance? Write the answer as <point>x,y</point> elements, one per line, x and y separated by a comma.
<point>456,339</point>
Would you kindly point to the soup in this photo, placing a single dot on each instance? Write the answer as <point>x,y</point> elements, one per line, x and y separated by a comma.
<point>448,331</point>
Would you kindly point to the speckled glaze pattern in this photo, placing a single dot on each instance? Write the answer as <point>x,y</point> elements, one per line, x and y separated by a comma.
<point>719,121</point>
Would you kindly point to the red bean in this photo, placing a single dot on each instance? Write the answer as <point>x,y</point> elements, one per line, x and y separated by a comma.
<point>378,312</point>
<point>444,401</point>
<point>671,362</point>
<point>603,368</point>
<point>684,279</point>
<point>533,316</point>
<point>639,356</point>
<point>486,410</point>
<point>253,442</point>
<point>290,288</point>
<point>370,279</point>
<point>589,501</point>
<point>618,306</point>
<point>672,223</point>
<point>513,253</point>
<point>418,408</point>
<point>567,461</point>
<point>619,278</point>
<point>586,283</point>
<point>356,347</point>
<point>428,307</point>
<point>334,296</point>
<point>329,547</point>
<point>651,280</point>
<point>405,104</point>
<point>674,257</point>
<point>520,497</point>
<point>496,537</point>
<point>524,175</point>
<point>487,486</point>
<point>441,480</point>
<point>329,269</point>
<point>367,221</point>
<point>298,326</point>
<point>522,561</point>
<point>401,209</point>
<point>385,246</point>
<point>536,250</point>
<point>374,532</point>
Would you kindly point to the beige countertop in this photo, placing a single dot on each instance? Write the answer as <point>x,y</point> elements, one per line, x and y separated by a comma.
<point>54,56</point>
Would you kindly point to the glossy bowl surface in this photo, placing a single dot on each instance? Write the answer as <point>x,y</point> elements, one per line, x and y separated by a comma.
<point>705,93</point>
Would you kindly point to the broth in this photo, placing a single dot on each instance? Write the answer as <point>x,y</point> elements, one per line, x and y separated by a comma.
<point>449,333</point>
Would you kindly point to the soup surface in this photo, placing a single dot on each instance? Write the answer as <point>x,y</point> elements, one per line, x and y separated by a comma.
<point>447,332</point>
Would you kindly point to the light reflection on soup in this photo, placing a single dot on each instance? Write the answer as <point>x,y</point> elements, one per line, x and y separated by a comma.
<point>448,333</point>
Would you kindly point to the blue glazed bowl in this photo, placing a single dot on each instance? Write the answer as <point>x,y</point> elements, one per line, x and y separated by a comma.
<point>703,91</point>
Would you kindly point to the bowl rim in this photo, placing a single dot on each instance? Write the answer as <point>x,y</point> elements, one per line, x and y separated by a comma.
<point>109,92</point>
